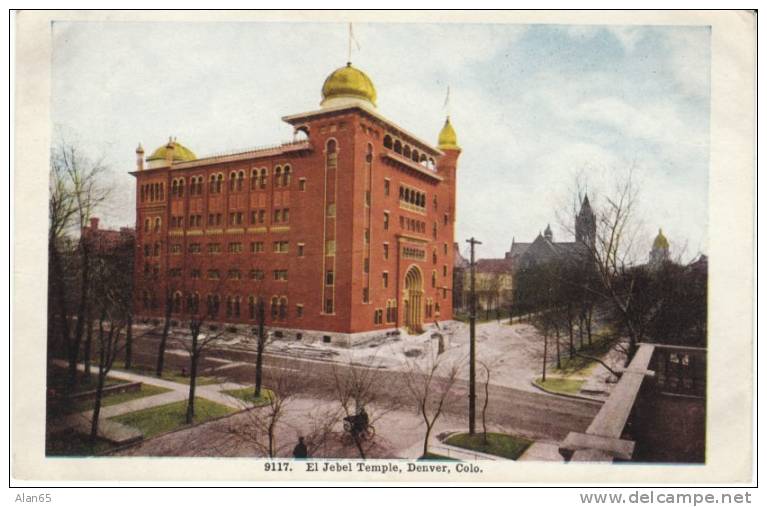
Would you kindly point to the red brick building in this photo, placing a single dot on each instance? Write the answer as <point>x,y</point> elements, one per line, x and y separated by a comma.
<point>346,233</point>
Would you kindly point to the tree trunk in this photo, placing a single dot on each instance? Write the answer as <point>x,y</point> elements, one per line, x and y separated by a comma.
<point>129,343</point>
<point>192,381</point>
<point>74,349</point>
<point>559,356</point>
<point>580,329</point>
<point>570,330</point>
<point>164,338</point>
<point>484,407</point>
<point>589,313</point>
<point>260,349</point>
<point>99,390</point>
<point>271,438</point>
<point>545,353</point>
<point>426,439</point>
<point>88,346</point>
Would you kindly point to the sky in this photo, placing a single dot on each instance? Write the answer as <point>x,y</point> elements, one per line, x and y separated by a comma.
<point>535,108</point>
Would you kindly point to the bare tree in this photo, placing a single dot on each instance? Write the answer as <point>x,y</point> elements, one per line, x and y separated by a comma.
<point>357,387</point>
<point>261,422</point>
<point>429,384</point>
<point>75,191</point>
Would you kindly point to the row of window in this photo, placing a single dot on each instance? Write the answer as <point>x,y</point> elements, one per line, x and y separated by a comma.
<point>152,192</point>
<point>406,151</point>
<point>232,305</point>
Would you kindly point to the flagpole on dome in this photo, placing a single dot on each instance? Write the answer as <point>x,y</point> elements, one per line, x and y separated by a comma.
<point>446,106</point>
<point>352,38</point>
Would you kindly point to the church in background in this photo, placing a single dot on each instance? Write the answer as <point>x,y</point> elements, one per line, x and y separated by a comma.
<point>345,233</point>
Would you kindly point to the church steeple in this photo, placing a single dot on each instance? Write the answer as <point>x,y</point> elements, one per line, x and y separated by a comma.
<point>585,223</point>
<point>548,234</point>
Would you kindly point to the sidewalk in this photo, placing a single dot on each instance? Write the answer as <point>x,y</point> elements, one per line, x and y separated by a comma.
<point>122,434</point>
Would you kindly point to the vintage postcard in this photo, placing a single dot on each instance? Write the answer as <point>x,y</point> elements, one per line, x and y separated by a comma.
<point>508,247</point>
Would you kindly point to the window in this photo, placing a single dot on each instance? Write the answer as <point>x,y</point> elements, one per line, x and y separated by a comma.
<point>446,218</point>
<point>274,307</point>
<point>367,236</point>
<point>253,179</point>
<point>146,225</point>
<point>386,221</point>
<point>285,216</point>
<point>329,278</point>
<point>444,248</point>
<point>330,247</point>
<point>157,224</point>
<point>367,198</point>
<point>444,270</point>
<point>235,218</point>
<point>277,176</point>
<point>286,176</point>
<point>299,311</point>
<point>434,257</point>
<point>328,309</point>
<point>175,248</point>
<point>214,248</point>
<point>386,250</point>
<point>385,279</point>
<point>281,275</point>
<point>234,247</point>
<point>434,201</point>
<point>277,215</point>
<point>434,230</point>
<point>302,184</point>
<point>387,187</point>
<point>433,279</point>
<point>366,265</point>
<point>300,250</point>
<point>283,311</point>
<point>365,295</point>
<point>213,274</point>
<point>378,316</point>
<point>195,248</point>
<point>234,274</point>
<point>256,247</point>
<point>263,178</point>
<point>280,246</point>
<point>331,154</point>
<point>194,274</point>
<point>256,274</point>
<point>331,212</point>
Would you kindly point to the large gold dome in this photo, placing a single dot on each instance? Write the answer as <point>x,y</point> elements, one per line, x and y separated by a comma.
<point>180,152</point>
<point>348,82</point>
<point>660,241</point>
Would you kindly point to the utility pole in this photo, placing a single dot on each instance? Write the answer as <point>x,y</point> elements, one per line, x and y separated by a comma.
<point>472,341</point>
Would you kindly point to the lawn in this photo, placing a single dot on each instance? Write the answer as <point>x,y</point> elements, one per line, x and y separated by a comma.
<point>429,456</point>
<point>167,374</point>
<point>582,366</point>
<point>116,399</point>
<point>57,380</point>
<point>74,444</point>
<point>156,420</point>
<point>247,394</point>
<point>561,385</point>
<point>498,444</point>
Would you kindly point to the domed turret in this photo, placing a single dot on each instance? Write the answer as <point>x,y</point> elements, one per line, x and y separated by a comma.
<point>348,85</point>
<point>447,138</point>
<point>173,150</point>
<point>660,241</point>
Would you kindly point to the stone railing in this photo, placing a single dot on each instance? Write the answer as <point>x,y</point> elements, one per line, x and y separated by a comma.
<point>656,370</point>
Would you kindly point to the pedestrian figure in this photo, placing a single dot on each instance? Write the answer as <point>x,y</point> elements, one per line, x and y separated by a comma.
<point>299,451</point>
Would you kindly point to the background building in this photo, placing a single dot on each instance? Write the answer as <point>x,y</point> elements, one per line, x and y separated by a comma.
<point>345,233</point>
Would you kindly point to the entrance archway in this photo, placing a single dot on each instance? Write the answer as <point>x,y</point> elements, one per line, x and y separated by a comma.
<point>413,300</point>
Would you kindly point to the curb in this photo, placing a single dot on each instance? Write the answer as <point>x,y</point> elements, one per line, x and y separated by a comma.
<point>563,395</point>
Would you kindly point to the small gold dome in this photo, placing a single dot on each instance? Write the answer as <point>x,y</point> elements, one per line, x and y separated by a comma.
<point>660,241</point>
<point>447,138</point>
<point>180,152</point>
<point>348,82</point>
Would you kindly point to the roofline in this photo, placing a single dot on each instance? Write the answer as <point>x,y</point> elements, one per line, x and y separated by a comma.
<point>292,119</point>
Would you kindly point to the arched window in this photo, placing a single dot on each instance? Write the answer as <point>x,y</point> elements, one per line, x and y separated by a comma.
<point>277,176</point>
<point>174,188</point>
<point>232,181</point>
<point>369,154</point>
<point>181,187</point>
<point>237,306</point>
<point>286,176</point>
<point>283,308</point>
<point>146,225</point>
<point>406,151</point>
<point>229,306</point>
<point>407,195</point>
<point>433,279</point>
<point>253,179</point>
<point>332,154</point>
<point>387,141</point>
<point>219,182</point>
<point>252,308</point>
<point>151,192</point>
<point>414,156</point>
<point>212,188</point>
<point>264,176</point>
<point>177,302</point>
<point>141,189</point>
<point>240,178</point>
<point>397,146</point>
<point>199,185</point>
<point>157,224</point>
<point>434,257</point>
<point>275,309</point>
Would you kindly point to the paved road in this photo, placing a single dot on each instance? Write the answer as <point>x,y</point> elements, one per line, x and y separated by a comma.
<point>535,415</point>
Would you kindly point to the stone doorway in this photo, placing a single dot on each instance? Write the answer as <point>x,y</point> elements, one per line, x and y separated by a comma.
<point>413,301</point>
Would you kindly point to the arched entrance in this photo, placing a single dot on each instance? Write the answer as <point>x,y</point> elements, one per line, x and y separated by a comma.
<point>413,301</point>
